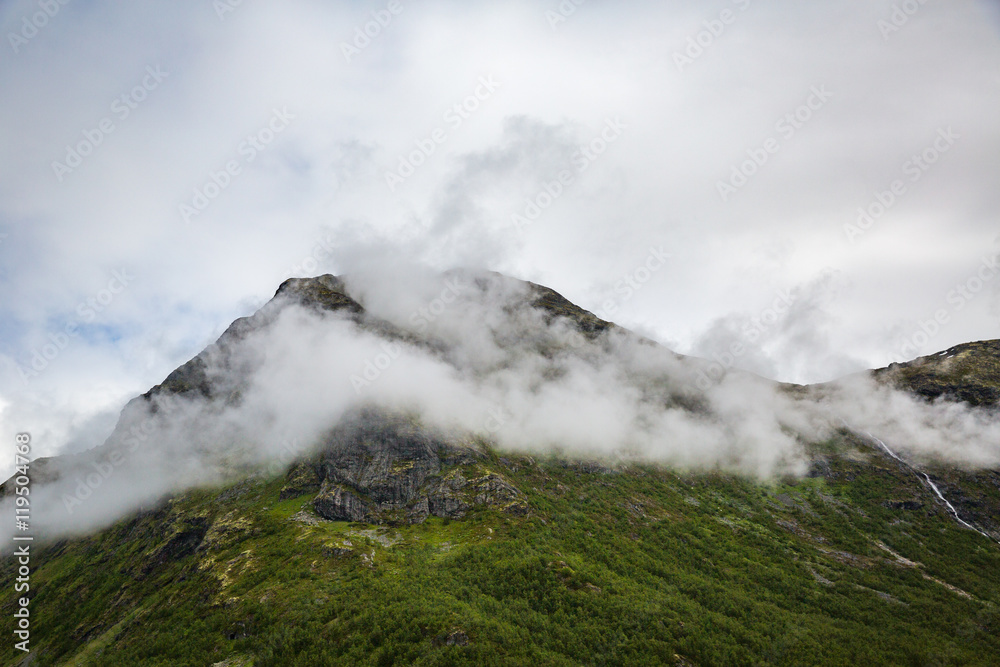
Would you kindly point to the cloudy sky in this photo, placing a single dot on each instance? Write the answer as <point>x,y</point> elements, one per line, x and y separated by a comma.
<point>815,181</point>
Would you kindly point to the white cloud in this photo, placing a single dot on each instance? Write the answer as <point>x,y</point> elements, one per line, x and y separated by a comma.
<point>324,175</point>
<point>477,361</point>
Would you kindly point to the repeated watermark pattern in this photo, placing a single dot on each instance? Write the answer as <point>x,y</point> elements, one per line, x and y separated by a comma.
<point>899,17</point>
<point>786,127</point>
<point>957,298</point>
<point>712,30</point>
<point>420,320</point>
<point>364,34</point>
<point>751,333</point>
<point>122,107</point>
<point>224,7</point>
<point>374,366</point>
<point>633,281</point>
<point>321,250</point>
<point>113,459</point>
<point>915,168</point>
<point>32,25</point>
<point>87,311</point>
<point>562,12</point>
<point>580,161</point>
<point>22,523</point>
<point>423,317</point>
<point>248,150</point>
<point>426,146</point>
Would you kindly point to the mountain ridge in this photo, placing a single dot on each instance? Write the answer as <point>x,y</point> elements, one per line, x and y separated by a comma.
<point>501,556</point>
<point>967,373</point>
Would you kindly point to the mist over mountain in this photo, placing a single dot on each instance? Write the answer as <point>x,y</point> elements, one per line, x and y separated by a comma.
<point>475,355</point>
<point>525,333</point>
<point>365,443</point>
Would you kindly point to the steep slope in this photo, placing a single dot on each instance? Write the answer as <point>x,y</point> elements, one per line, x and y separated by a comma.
<point>969,372</point>
<point>394,541</point>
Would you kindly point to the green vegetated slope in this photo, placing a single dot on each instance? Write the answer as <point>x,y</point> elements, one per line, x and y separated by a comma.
<point>487,558</point>
<point>634,566</point>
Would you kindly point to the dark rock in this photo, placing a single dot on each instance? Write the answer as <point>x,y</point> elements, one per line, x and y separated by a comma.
<point>820,468</point>
<point>968,373</point>
<point>908,505</point>
<point>337,503</point>
<point>555,305</point>
<point>337,552</point>
<point>456,637</point>
<point>237,630</point>
<point>213,373</point>
<point>387,458</point>
<point>301,478</point>
<point>382,468</point>
<point>494,491</point>
<point>324,292</point>
<point>44,470</point>
<point>182,544</point>
<point>591,468</point>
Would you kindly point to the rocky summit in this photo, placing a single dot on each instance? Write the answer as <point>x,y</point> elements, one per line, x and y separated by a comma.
<point>393,538</point>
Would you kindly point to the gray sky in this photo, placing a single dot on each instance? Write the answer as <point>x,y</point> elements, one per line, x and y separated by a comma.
<point>165,165</point>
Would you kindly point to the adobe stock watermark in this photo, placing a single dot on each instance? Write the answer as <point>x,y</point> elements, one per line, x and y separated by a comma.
<point>713,29</point>
<point>248,149</point>
<point>375,366</point>
<point>421,320</point>
<point>957,298</point>
<point>633,281</point>
<point>562,12</point>
<point>364,34</point>
<point>121,108</point>
<point>752,332</point>
<point>32,25</point>
<point>308,265</point>
<point>223,7</point>
<point>109,462</point>
<point>580,161</point>
<point>290,450</point>
<point>497,416</point>
<point>899,17</point>
<point>87,312</point>
<point>915,168</point>
<point>454,117</point>
<point>21,487</point>
<point>786,127</point>
<point>569,337</point>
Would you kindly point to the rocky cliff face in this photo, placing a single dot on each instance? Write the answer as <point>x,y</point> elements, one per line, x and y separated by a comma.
<point>374,467</point>
<point>381,468</point>
<point>324,293</point>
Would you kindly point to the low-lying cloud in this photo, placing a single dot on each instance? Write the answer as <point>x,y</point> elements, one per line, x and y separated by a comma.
<point>465,355</point>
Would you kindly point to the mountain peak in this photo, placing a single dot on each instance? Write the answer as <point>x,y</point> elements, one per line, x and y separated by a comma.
<point>327,292</point>
<point>969,372</point>
<point>475,450</point>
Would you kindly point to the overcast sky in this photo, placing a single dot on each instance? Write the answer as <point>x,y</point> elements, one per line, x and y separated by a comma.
<point>696,171</point>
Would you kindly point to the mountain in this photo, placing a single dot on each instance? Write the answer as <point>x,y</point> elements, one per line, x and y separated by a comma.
<point>968,372</point>
<point>389,534</point>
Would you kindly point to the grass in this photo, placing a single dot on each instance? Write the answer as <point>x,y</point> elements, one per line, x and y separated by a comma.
<point>642,567</point>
